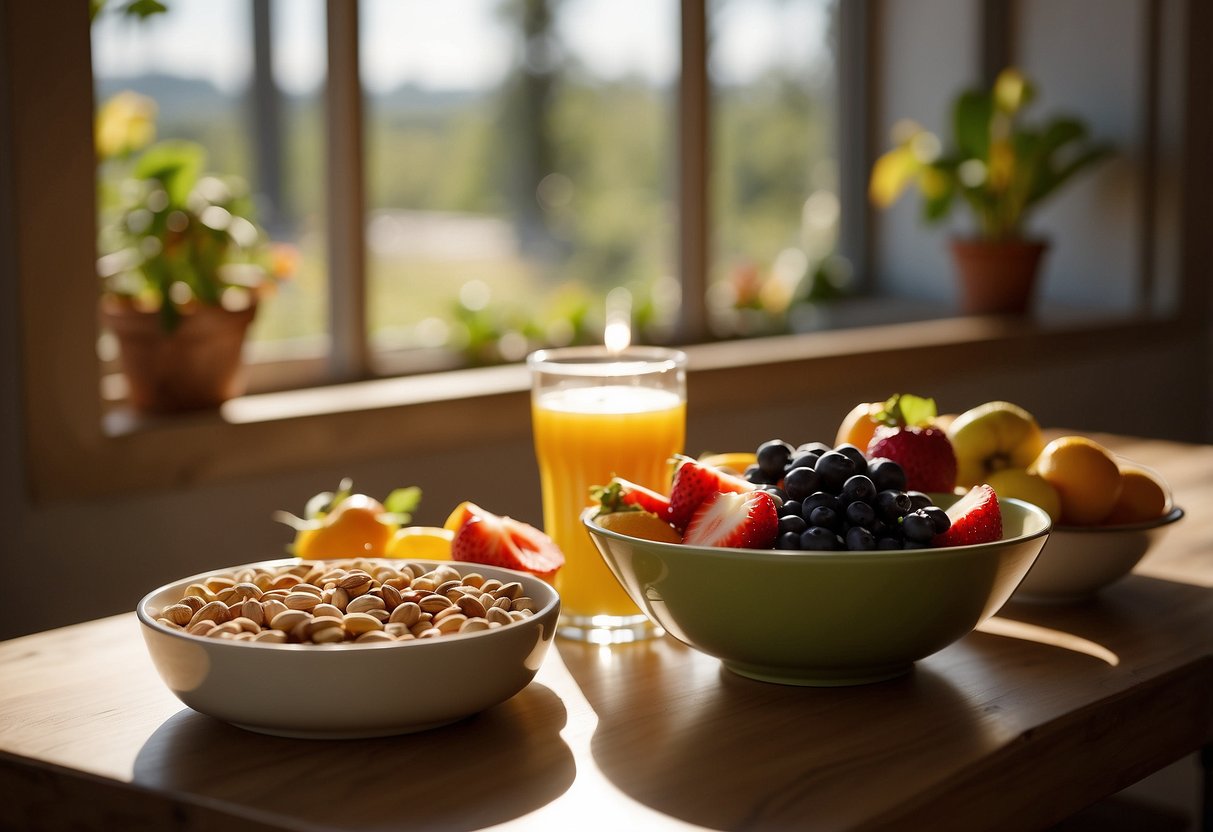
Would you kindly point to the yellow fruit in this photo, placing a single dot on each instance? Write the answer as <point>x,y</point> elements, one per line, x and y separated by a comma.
<point>1027,486</point>
<point>993,436</point>
<point>425,542</point>
<point>859,425</point>
<point>1143,496</point>
<point>1085,475</point>
<point>459,515</point>
<point>640,524</point>
<point>352,529</point>
<point>735,461</point>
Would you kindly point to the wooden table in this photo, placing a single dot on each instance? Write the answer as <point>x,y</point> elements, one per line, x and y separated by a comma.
<point>1042,712</point>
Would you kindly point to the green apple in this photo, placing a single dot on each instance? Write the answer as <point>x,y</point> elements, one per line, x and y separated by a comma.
<point>1027,486</point>
<point>991,437</point>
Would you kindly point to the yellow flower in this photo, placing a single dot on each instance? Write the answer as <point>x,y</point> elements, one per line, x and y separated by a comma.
<point>124,124</point>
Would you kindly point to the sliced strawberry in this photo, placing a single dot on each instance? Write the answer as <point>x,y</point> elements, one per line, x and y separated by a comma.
<point>694,483</point>
<point>623,495</point>
<point>924,453</point>
<point>494,540</point>
<point>736,521</point>
<point>976,518</point>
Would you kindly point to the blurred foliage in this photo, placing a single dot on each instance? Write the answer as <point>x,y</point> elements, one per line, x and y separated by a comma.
<point>999,165</point>
<point>582,171</point>
<point>171,234</point>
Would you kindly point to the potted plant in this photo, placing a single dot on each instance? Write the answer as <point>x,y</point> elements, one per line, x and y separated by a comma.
<point>184,264</point>
<point>1001,168</point>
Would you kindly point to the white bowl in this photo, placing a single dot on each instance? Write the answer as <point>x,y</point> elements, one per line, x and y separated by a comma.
<point>351,690</point>
<point>1079,561</point>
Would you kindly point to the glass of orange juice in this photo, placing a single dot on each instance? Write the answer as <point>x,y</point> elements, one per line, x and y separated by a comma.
<point>598,414</point>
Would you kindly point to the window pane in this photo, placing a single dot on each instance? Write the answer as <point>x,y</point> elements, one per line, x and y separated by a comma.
<point>193,71</point>
<point>774,171</point>
<point>519,169</point>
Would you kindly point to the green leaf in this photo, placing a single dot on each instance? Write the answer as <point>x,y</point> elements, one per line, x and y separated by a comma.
<point>175,164</point>
<point>907,410</point>
<point>403,501</point>
<point>971,117</point>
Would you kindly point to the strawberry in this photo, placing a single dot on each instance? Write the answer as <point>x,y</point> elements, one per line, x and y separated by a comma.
<point>484,537</point>
<point>622,495</point>
<point>976,518</point>
<point>907,437</point>
<point>694,483</point>
<point>747,520</point>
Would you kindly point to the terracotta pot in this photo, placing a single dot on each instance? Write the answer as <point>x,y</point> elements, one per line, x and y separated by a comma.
<point>997,276</point>
<point>196,366</point>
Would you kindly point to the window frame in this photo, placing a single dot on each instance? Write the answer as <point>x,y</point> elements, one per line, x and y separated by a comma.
<point>73,451</point>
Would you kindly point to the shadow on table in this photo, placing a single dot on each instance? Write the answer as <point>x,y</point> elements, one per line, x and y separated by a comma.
<point>521,763</point>
<point>706,764</point>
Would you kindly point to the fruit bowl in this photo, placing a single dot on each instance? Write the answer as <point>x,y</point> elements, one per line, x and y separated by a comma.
<point>350,690</point>
<point>1079,561</point>
<point>824,618</point>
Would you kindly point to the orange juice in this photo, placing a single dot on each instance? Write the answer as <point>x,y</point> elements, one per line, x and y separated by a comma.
<point>583,437</point>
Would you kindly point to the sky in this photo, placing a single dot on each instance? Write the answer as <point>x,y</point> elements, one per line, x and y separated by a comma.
<point>451,44</point>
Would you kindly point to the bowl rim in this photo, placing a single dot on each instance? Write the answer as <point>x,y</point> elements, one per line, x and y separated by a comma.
<point>147,620</point>
<point>1174,515</point>
<point>835,556</point>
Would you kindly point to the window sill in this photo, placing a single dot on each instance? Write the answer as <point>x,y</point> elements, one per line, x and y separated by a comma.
<point>260,435</point>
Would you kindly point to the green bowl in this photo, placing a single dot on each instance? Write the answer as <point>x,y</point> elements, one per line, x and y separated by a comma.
<point>824,618</point>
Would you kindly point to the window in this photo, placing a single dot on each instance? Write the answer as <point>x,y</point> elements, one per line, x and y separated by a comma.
<point>48,170</point>
<point>519,165</point>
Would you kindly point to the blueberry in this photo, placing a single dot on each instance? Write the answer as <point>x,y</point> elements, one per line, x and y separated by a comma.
<point>790,507</point>
<point>887,544</point>
<point>855,455</point>
<point>773,456</point>
<point>792,523</point>
<point>801,482</point>
<point>861,514</point>
<point>819,498</point>
<point>818,448</point>
<point>887,474</point>
<point>858,487</point>
<point>754,475</point>
<point>834,469</point>
<point>825,516</point>
<point>939,518</point>
<point>860,539</point>
<point>917,527</point>
<point>808,460</point>
<point>891,506</point>
<point>918,499</point>
<point>788,540</point>
<point>818,539</point>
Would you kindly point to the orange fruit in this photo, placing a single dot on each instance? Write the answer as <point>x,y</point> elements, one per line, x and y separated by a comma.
<point>425,542</point>
<point>1085,475</point>
<point>859,425</point>
<point>735,461</point>
<point>639,524</point>
<point>1143,496</point>
<point>352,529</point>
<point>460,515</point>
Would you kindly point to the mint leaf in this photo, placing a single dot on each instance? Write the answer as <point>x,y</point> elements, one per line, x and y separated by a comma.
<point>907,410</point>
<point>403,501</point>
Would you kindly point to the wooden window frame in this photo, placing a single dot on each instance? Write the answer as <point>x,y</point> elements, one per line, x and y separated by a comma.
<point>72,452</point>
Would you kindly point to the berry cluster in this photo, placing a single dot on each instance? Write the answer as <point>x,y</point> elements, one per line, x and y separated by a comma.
<point>836,498</point>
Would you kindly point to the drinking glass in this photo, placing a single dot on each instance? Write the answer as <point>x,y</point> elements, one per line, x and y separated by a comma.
<point>599,413</point>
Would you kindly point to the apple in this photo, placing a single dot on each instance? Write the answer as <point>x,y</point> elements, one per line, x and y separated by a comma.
<point>1028,486</point>
<point>991,437</point>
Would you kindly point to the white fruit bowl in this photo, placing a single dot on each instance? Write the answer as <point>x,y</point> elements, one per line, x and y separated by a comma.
<point>1079,561</point>
<point>351,690</point>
